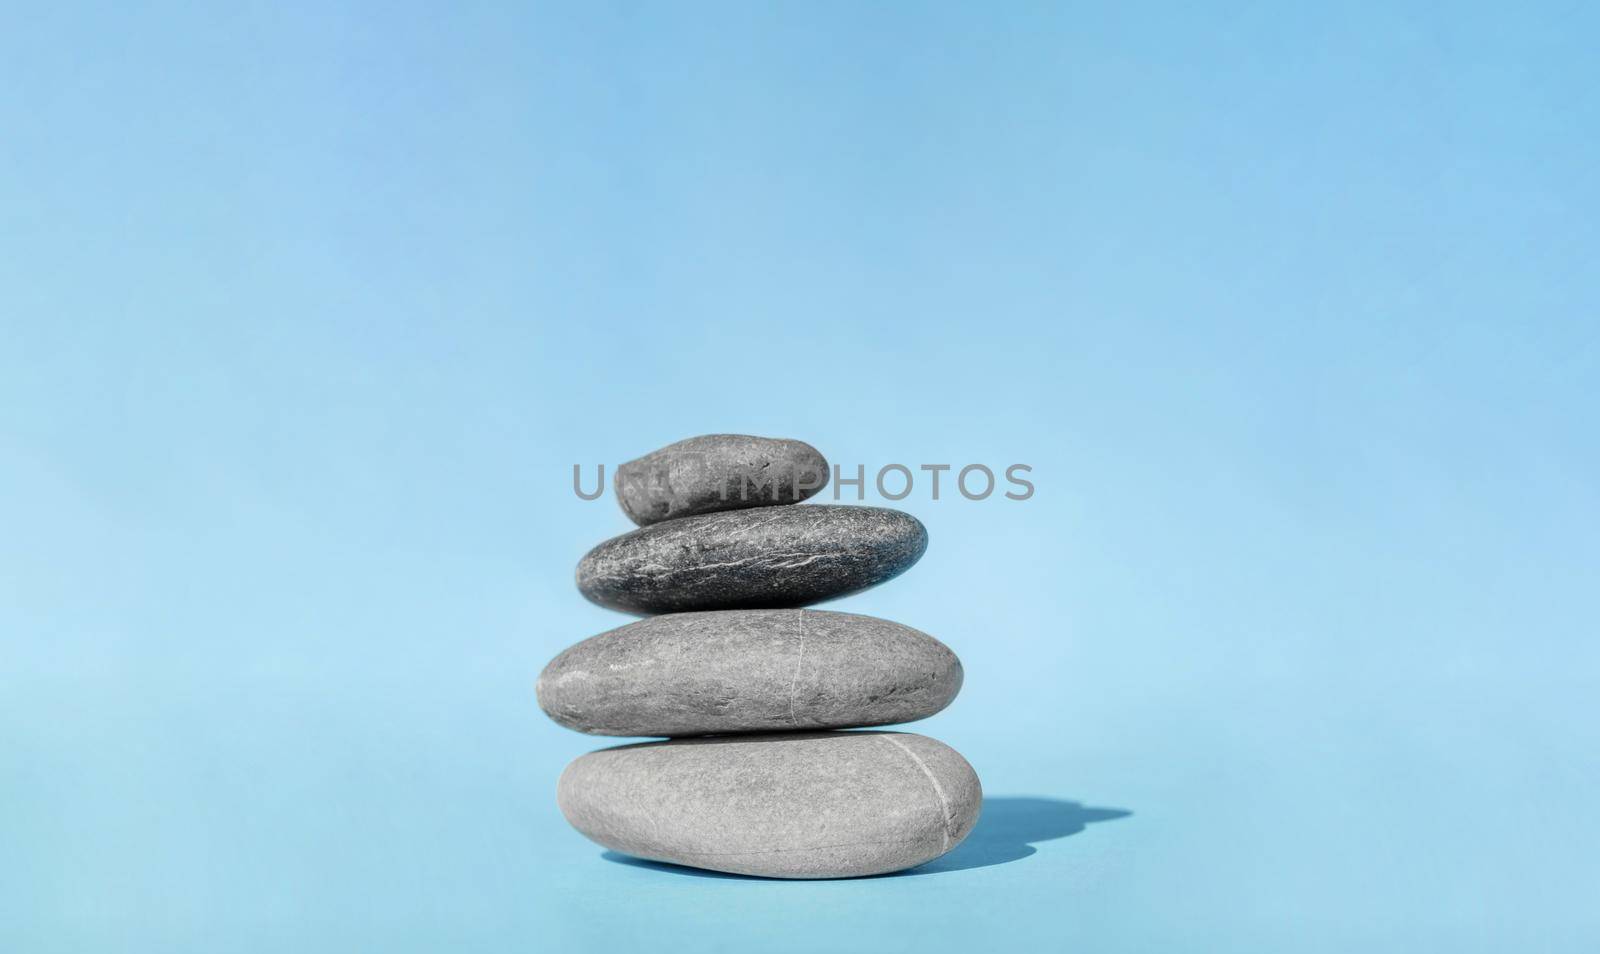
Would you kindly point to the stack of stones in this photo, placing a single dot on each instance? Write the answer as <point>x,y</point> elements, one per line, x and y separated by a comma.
<point>747,686</point>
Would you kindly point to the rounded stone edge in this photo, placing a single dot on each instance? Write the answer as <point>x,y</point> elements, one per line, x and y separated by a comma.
<point>959,789</point>
<point>918,547</point>
<point>544,692</point>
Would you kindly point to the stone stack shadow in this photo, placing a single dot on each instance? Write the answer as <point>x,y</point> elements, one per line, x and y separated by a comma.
<point>749,687</point>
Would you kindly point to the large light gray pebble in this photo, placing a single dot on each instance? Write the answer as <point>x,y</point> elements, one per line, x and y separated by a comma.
<point>749,671</point>
<point>797,805</point>
<point>718,472</point>
<point>772,558</point>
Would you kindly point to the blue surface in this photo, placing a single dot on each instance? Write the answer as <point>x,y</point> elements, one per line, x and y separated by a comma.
<point>306,312</point>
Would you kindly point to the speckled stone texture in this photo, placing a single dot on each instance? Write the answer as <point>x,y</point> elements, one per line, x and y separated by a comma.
<point>796,805</point>
<point>772,558</point>
<point>749,671</point>
<point>718,472</point>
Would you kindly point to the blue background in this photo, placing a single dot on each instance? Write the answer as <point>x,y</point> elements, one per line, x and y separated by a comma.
<point>308,310</point>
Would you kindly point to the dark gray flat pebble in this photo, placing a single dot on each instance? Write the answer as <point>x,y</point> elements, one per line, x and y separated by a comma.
<point>771,558</point>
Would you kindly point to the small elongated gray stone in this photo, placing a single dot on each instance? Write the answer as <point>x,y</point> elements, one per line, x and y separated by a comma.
<point>772,558</point>
<point>718,472</point>
<point>749,671</point>
<point>796,805</point>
